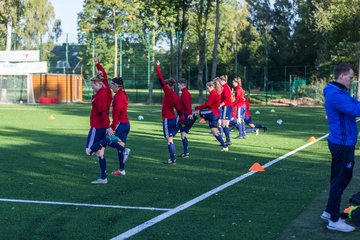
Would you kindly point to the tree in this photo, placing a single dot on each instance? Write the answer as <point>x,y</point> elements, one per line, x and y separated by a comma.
<point>56,30</point>
<point>282,28</point>
<point>202,10</point>
<point>10,14</point>
<point>105,20</point>
<point>216,40</point>
<point>337,23</point>
<point>182,8</point>
<point>36,18</point>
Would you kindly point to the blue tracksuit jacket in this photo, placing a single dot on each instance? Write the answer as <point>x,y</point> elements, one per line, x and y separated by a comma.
<point>341,110</point>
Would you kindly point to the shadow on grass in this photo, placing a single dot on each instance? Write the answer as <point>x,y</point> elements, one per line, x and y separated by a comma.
<point>50,164</point>
<point>308,224</point>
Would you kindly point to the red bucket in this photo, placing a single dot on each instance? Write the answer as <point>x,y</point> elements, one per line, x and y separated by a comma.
<point>44,100</point>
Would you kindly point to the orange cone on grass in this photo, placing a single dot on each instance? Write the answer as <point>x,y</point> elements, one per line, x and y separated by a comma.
<point>312,139</point>
<point>202,121</point>
<point>256,167</point>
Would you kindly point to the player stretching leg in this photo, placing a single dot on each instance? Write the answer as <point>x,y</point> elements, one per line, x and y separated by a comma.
<point>241,107</point>
<point>185,104</point>
<point>169,102</point>
<point>226,108</point>
<point>99,123</point>
<point>120,126</point>
<point>248,120</point>
<point>210,111</point>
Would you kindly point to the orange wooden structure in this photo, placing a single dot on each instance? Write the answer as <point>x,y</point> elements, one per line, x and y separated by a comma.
<point>63,87</point>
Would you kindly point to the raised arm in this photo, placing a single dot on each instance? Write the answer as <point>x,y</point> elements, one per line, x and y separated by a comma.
<point>101,70</point>
<point>160,76</point>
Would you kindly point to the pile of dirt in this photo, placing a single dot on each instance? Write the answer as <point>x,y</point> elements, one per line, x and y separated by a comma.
<point>304,101</point>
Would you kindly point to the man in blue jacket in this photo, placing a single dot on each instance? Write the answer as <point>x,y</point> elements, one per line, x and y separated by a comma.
<point>341,110</point>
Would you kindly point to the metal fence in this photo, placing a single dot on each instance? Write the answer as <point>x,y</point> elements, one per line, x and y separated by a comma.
<point>136,58</point>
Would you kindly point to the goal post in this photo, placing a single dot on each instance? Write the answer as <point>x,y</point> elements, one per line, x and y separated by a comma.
<point>16,69</point>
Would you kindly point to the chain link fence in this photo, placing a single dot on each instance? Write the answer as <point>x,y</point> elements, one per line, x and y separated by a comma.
<point>134,59</point>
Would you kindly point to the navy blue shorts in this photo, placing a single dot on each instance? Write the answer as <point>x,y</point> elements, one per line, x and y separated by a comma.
<point>122,131</point>
<point>226,113</point>
<point>95,135</point>
<point>187,126</point>
<point>170,127</point>
<point>209,116</point>
<point>248,120</point>
<point>233,122</point>
<point>240,112</point>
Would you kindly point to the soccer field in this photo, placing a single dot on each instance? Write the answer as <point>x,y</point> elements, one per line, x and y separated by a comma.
<point>46,191</point>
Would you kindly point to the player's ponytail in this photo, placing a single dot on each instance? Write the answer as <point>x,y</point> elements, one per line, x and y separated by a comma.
<point>238,81</point>
<point>217,85</point>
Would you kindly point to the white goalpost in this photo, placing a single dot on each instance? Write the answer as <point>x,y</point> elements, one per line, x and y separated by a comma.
<point>16,69</point>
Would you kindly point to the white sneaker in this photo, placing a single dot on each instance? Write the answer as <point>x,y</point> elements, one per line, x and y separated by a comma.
<point>100,181</point>
<point>224,149</point>
<point>171,162</point>
<point>257,132</point>
<point>88,151</point>
<point>340,225</point>
<point>326,216</point>
<point>126,154</point>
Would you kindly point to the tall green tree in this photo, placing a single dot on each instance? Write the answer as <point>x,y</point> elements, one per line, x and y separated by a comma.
<point>155,17</point>
<point>23,23</point>
<point>337,23</point>
<point>304,40</point>
<point>10,14</point>
<point>104,19</point>
<point>182,8</point>
<point>216,40</point>
<point>36,19</point>
<point>202,10</point>
<point>237,42</point>
<point>282,28</point>
<point>56,30</point>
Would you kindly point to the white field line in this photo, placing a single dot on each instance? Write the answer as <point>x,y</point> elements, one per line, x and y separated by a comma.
<point>188,204</point>
<point>83,204</point>
<point>23,109</point>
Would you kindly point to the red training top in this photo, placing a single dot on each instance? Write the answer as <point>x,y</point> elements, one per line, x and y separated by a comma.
<point>234,108</point>
<point>185,101</point>
<point>239,96</point>
<point>170,99</point>
<point>119,108</point>
<point>100,68</point>
<point>212,103</point>
<point>99,115</point>
<point>247,112</point>
<point>226,95</point>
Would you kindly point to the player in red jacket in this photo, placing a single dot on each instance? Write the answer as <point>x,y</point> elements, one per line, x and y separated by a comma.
<point>210,110</point>
<point>226,107</point>
<point>170,121</point>
<point>99,123</point>
<point>103,76</point>
<point>241,107</point>
<point>186,109</point>
<point>119,128</point>
<point>248,120</point>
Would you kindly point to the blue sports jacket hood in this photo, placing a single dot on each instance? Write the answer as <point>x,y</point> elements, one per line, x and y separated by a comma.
<point>341,110</point>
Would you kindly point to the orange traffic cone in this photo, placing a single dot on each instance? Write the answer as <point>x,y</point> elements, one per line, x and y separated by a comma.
<point>202,121</point>
<point>312,139</point>
<point>256,167</point>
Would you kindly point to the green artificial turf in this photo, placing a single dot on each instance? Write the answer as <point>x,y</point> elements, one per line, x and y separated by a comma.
<point>43,159</point>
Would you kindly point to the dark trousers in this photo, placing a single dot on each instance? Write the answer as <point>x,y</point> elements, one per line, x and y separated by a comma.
<point>342,165</point>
